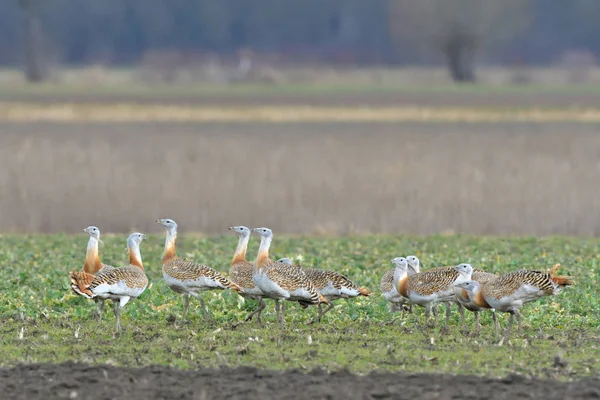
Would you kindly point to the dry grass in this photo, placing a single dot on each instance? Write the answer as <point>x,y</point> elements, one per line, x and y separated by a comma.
<point>503,178</point>
<point>129,112</point>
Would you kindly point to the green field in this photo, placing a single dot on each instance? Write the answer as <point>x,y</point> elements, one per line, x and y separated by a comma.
<point>42,321</point>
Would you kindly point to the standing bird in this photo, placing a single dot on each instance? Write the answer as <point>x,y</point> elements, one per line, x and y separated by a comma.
<point>188,277</point>
<point>389,284</point>
<point>332,285</point>
<point>93,265</point>
<point>428,288</point>
<point>116,284</point>
<point>511,291</point>
<point>280,281</point>
<point>463,299</point>
<point>240,272</point>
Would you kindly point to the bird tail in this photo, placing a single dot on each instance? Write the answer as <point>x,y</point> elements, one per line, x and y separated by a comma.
<point>323,299</point>
<point>233,286</point>
<point>364,291</point>
<point>80,283</point>
<point>561,281</point>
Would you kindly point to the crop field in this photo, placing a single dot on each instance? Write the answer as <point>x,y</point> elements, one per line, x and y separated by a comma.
<point>505,179</point>
<point>44,322</point>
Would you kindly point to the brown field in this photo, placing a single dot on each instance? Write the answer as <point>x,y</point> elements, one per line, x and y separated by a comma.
<point>330,178</point>
<point>343,96</point>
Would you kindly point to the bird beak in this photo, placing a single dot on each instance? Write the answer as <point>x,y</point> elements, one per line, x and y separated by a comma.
<point>158,221</point>
<point>231,228</point>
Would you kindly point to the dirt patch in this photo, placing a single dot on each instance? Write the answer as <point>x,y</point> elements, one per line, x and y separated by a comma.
<point>72,381</point>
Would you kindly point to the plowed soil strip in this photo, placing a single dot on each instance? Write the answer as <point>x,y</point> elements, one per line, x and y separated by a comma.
<point>77,381</point>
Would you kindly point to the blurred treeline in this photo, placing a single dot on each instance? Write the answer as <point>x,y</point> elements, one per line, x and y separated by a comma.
<point>455,32</point>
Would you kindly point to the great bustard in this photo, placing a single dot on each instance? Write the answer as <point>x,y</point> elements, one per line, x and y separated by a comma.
<point>241,270</point>
<point>280,281</point>
<point>434,286</point>
<point>332,285</point>
<point>509,292</point>
<point>117,284</point>
<point>188,277</point>
<point>93,265</point>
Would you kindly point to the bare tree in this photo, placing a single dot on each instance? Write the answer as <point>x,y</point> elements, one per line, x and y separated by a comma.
<point>458,28</point>
<point>34,68</point>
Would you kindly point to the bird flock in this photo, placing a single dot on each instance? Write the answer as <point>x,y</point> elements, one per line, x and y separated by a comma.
<point>403,286</point>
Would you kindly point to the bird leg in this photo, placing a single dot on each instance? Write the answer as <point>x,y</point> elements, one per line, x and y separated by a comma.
<point>277,312</point>
<point>186,304</point>
<point>207,315</point>
<point>477,324</point>
<point>496,323</point>
<point>518,314</point>
<point>117,310</point>
<point>507,332</point>
<point>461,311</point>
<point>283,313</point>
<point>321,313</point>
<point>428,310</point>
<point>99,308</point>
<point>257,312</point>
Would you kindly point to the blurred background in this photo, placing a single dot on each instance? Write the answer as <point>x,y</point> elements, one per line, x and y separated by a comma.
<point>315,117</point>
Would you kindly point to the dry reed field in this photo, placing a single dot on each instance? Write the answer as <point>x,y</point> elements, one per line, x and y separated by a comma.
<point>329,178</point>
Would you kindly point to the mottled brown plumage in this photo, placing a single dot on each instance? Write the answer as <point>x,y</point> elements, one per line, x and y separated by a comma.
<point>332,285</point>
<point>322,279</point>
<point>510,283</point>
<point>185,271</point>
<point>434,286</point>
<point>187,277</point>
<point>387,281</point>
<point>291,279</point>
<point>511,291</point>
<point>280,281</point>
<point>431,281</point>
<point>240,273</point>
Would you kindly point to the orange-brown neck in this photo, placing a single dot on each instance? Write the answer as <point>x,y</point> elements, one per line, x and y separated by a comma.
<point>92,260</point>
<point>262,258</point>
<point>479,300</point>
<point>169,252</point>
<point>240,251</point>
<point>135,258</point>
<point>402,286</point>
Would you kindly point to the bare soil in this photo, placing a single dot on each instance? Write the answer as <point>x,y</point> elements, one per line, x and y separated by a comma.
<point>72,381</point>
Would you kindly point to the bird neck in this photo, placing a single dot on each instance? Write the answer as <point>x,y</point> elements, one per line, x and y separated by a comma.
<point>402,286</point>
<point>399,273</point>
<point>478,299</point>
<point>263,251</point>
<point>92,260</point>
<point>240,251</point>
<point>135,257</point>
<point>170,252</point>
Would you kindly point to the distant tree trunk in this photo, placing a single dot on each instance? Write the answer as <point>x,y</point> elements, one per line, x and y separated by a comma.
<point>34,68</point>
<point>459,49</point>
